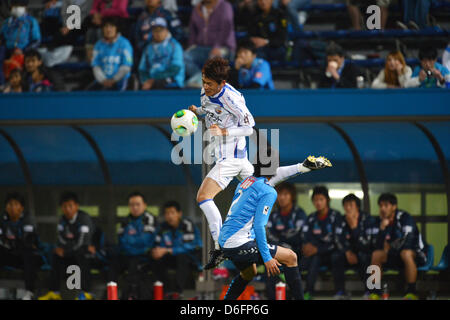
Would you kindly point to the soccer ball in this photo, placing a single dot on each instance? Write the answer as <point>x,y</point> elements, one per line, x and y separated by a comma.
<point>184,123</point>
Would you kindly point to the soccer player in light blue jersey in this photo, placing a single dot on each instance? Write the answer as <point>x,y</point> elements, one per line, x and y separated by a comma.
<point>243,240</point>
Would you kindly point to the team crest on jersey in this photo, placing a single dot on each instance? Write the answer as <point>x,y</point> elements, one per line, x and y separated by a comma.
<point>248,182</point>
<point>218,110</point>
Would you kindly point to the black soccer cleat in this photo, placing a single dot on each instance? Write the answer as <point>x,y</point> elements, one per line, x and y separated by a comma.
<point>314,163</point>
<point>215,258</point>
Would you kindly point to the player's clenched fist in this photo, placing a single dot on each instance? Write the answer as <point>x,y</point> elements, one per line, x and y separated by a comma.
<point>193,109</point>
<point>272,267</point>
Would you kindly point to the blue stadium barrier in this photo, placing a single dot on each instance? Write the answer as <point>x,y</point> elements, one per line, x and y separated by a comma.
<point>444,262</point>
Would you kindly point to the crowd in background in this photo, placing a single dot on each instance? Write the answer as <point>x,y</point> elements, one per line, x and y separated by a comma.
<point>324,238</point>
<point>157,50</point>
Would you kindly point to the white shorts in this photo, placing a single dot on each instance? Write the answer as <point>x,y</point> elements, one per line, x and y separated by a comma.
<point>225,170</point>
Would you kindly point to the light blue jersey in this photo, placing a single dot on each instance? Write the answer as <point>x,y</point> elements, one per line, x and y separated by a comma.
<point>248,216</point>
<point>111,56</point>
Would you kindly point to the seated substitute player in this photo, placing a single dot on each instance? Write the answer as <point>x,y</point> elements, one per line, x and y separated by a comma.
<point>136,238</point>
<point>178,246</point>
<point>284,227</point>
<point>19,241</point>
<point>398,243</point>
<point>320,245</point>
<point>74,247</point>
<point>355,237</point>
<point>243,235</point>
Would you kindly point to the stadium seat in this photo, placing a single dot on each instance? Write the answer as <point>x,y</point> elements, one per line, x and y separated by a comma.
<point>443,263</point>
<point>430,259</point>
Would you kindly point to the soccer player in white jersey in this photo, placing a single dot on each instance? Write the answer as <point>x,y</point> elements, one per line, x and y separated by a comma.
<point>229,121</point>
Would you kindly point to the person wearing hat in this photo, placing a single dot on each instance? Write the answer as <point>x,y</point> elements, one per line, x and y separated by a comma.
<point>18,33</point>
<point>112,60</point>
<point>161,65</point>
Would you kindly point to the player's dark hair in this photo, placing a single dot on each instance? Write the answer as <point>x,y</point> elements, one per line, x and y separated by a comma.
<point>30,53</point>
<point>428,53</point>
<point>289,187</point>
<point>15,196</point>
<point>216,69</point>
<point>334,49</point>
<point>19,3</point>
<point>170,204</point>
<point>136,194</point>
<point>320,190</point>
<point>258,166</point>
<point>68,196</point>
<point>387,197</point>
<point>111,21</point>
<point>352,197</point>
<point>246,44</point>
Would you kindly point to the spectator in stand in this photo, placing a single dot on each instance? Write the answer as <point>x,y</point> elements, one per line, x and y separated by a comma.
<point>211,34</point>
<point>178,246</point>
<point>74,246</point>
<point>33,61</point>
<point>39,81</point>
<point>19,241</point>
<point>284,227</point>
<point>136,238</point>
<point>320,244</point>
<point>446,57</point>
<point>294,8</point>
<point>354,10</point>
<point>339,73</point>
<point>18,33</point>
<point>355,237</point>
<point>267,29</point>
<point>143,34</point>
<point>395,73</point>
<point>15,83</point>
<point>415,14</point>
<point>430,73</point>
<point>113,59</point>
<point>102,9</point>
<point>250,72</point>
<point>243,10</point>
<point>398,244</point>
<point>162,65</point>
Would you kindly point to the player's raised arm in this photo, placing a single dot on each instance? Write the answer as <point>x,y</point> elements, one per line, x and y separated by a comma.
<point>259,226</point>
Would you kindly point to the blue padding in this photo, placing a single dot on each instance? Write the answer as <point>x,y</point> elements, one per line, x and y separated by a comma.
<point>444,262</point>
<point>430,259</point>
<point>10,170</point>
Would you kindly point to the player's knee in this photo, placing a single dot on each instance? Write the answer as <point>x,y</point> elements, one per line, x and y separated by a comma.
<point>377,256</point>
<point>407,255</point>
<point>249,273</point>
<point>291,259</point>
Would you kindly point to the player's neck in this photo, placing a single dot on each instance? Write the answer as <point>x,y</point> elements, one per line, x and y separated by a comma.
<point>323,212</point>
<point>286,210</point>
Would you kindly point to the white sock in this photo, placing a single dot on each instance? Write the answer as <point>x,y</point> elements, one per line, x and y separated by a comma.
<point>287,172</point>
<point>214,218</point>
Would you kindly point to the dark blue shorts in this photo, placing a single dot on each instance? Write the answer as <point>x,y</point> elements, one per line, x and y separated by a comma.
<point>247,254</point>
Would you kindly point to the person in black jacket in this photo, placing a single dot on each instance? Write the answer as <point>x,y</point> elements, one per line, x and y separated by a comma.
<point>19,241</point>
<point>74,247</point>
<point>284,227</point>
<point>267,29</point>
<point>398,243</point>
<point>339,73</point>
<point>355,237</point>
<point>320,243</point>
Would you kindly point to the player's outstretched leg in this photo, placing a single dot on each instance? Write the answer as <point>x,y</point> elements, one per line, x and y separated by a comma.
<point>208,190</point>
<point>291,271</point>
<point>310,163</point>
<point>239,283</point>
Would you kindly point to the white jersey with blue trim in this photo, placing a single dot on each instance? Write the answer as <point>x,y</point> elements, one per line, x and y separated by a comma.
<point>248,215</point>
<point>228,110</point>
